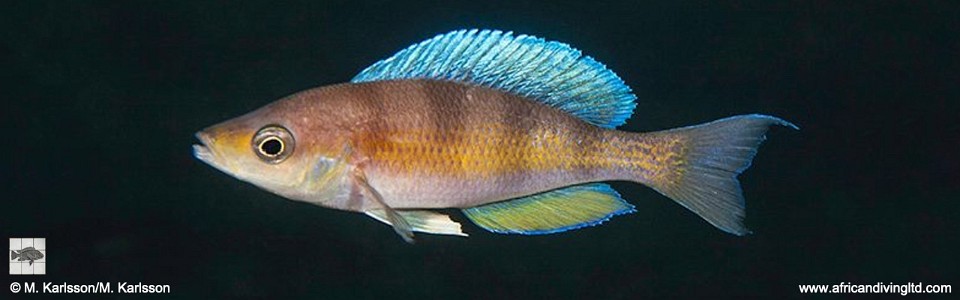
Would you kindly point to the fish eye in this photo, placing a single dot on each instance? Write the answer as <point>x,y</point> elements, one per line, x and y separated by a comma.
<point>273,144</point>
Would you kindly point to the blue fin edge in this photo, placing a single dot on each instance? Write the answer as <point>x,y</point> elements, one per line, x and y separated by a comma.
<point>604,188</point>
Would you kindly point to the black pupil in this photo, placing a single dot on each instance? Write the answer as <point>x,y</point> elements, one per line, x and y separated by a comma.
<point>271,147</point>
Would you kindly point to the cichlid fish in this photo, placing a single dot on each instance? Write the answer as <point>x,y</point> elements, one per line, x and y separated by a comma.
<point>28,253</point>
<point>515,131</point>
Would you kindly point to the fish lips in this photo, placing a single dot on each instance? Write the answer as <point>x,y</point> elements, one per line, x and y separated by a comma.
<point>207,152</point>
<point>203,151</point>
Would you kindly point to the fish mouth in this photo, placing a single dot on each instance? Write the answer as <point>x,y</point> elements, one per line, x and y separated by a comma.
<point>207,152</point>
<point>203,151</point>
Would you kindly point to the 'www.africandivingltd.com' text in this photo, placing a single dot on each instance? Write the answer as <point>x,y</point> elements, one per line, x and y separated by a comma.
<point>876,288</point>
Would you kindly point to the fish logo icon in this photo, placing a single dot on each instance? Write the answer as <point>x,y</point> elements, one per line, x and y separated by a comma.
<point>28,253</point>
<point>28,256</point>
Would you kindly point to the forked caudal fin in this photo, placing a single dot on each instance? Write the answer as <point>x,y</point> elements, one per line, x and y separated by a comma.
<point>704,177</point>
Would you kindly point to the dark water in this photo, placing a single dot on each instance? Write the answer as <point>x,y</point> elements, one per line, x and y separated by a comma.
<point>101,101</point>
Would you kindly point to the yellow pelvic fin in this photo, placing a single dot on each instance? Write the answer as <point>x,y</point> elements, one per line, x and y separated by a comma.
<point>551,212</point>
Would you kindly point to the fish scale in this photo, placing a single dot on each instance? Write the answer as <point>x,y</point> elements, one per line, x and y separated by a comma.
<point>544,147</point>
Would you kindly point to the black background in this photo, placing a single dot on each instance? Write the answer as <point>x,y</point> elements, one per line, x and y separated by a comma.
<point>101,100</point>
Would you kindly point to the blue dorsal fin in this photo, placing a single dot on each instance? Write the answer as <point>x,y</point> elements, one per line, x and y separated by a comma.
<point>550,72</point>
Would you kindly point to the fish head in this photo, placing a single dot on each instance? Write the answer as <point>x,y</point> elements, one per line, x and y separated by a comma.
<point>278,149</point>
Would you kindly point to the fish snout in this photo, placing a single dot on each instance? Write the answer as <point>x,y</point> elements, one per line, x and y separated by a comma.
<point>206,139</point>
<point>203,150</point>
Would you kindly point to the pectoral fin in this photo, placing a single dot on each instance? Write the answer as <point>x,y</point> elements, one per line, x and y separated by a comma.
<point>393,218</point>
<point>550,212</point>
<point>423,221</point>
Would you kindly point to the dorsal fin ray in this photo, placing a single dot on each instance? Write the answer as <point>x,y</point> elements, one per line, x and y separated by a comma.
<point>547,71</point>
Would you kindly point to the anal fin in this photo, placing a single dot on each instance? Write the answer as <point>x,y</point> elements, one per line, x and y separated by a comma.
<point>551,212</point>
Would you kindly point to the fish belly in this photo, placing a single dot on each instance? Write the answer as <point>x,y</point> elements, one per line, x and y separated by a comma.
<point>432,144</point>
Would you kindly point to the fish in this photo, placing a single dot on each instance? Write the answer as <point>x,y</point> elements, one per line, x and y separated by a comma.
<point>28,253</point>
<point>515,131</point>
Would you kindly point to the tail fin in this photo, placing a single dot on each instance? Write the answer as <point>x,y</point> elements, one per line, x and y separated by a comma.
<point>705,178</point>
<point>13,255</point>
